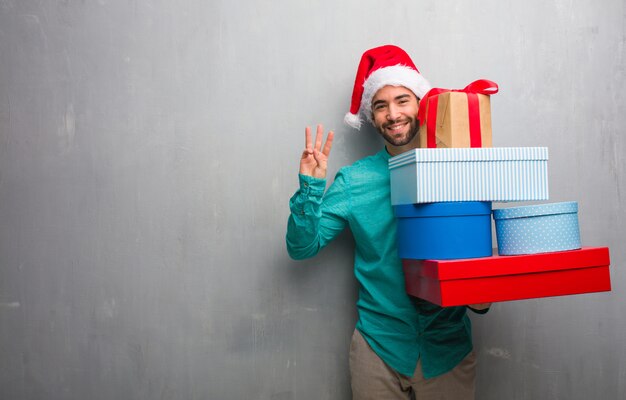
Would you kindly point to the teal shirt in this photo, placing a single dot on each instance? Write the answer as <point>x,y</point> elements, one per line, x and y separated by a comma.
<point>400,329</point>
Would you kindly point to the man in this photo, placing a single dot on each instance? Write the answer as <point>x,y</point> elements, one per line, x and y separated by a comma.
<point>401,347</point>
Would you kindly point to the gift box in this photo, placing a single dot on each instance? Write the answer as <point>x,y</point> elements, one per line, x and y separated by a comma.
<point>537,228</point>
<point>474,174</point>
<point>444,230</point>
<point>504,278</point>
<point>457,117</point>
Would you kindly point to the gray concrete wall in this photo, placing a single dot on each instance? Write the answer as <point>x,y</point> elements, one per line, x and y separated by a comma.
<point>148,150</point>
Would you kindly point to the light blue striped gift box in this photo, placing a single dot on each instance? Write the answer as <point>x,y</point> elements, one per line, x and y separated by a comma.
<point>469,174</point>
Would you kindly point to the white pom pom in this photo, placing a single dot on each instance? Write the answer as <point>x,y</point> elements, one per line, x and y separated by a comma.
<point>353,120</point>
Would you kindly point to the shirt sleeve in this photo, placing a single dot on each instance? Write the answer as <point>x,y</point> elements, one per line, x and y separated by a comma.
<point>316,218</point>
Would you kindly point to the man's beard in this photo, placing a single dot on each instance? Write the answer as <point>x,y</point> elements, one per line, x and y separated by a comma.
<point>402,140</point>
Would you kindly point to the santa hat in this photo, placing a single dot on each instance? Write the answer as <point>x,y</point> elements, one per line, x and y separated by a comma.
<point>379,67</point>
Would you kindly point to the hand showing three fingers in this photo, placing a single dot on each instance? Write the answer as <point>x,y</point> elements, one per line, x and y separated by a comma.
<point>314,158</point>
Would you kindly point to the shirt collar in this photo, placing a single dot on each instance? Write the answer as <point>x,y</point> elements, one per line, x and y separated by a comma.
<point>384,154</point>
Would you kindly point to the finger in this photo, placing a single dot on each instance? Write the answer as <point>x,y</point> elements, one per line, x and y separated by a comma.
<point>329,143</point>
<point>318,137</point>
<point>307,138</point>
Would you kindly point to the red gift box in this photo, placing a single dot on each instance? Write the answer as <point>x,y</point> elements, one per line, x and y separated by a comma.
<point>457,117</point>
<point>504,278</point>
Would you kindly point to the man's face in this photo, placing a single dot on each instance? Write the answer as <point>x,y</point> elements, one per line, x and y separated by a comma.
<point>394,113</point>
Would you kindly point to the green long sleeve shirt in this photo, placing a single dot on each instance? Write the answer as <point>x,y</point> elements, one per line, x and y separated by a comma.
<point>400,329</point>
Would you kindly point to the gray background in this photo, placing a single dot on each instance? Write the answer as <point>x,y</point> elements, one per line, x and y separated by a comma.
<point>148,151</point>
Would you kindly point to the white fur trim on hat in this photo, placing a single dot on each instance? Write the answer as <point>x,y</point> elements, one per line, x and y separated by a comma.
<point>353,120</point>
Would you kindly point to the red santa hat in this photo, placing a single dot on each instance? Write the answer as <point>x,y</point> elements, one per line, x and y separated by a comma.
<point>379,67</point>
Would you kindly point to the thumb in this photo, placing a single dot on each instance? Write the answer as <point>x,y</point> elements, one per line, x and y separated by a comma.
<point>320,168</point>
<point>320,158</point>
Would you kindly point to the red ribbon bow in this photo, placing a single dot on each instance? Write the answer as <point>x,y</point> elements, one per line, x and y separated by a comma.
<point>481,86</point>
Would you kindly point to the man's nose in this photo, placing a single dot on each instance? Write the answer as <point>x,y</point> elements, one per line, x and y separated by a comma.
<point>394,113</point>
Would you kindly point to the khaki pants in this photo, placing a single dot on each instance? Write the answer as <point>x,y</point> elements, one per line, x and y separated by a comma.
<point>372,379</point>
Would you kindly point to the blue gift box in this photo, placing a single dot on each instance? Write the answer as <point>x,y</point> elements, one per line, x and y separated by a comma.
<point>537,229</point>
<point>444,231</point>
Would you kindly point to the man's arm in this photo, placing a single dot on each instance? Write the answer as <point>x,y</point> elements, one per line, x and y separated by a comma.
<point>315,218</point>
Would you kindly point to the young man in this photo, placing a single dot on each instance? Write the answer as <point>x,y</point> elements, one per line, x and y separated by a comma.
<point>401,347</point>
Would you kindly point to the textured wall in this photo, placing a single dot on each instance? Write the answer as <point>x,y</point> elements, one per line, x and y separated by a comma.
<point>148,150</point>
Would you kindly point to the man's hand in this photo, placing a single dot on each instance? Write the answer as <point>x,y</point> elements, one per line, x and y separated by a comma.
<point>480,306</point>
<point>314,158</point>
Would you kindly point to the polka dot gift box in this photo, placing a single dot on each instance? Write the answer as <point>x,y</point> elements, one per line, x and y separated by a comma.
<point>536,229</point>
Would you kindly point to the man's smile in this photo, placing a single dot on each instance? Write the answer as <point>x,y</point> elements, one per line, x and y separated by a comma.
<point>396,127</point>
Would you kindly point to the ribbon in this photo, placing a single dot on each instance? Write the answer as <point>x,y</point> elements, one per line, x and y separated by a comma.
<point>431,100</point>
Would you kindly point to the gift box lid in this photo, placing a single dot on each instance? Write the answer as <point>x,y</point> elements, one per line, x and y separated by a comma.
<point>510,265</point>
<point>469,154</point>
<point>536,210</point>
<point>443,209</point>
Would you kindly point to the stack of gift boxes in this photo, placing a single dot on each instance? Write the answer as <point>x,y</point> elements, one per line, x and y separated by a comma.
<point>442,196</point>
